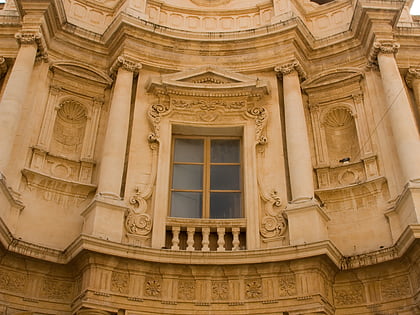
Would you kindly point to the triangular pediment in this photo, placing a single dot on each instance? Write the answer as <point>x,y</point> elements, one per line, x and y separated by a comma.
<point>207,79</point>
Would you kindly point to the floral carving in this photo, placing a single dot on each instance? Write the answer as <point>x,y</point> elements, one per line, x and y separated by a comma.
<point>260,116</point>
<point>153,287</point>
<point>155,113</point>
<point>395,288</point>
<point>12,281</point>
<point>59,290</point>
<point>186,290</point>
<point>119,282</point>
<point>273,224</point>
<point>219,290</point>
<point>287,285</point>
<point>349,295</point>
<point>253,289</point>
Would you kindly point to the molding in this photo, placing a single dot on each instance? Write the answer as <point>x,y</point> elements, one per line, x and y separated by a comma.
<point>28,38</point>
<point>11,195</point>
<point>288,68</point>
<point>126,63</point>
<point>381,47</point>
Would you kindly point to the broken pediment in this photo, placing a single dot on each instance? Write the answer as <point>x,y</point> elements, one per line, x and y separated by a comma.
<point>205,80</point>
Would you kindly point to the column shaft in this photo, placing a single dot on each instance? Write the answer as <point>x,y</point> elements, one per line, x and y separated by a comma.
<point>298,153</point>
<point>113,155</point>
<point>400,114</point>
<point>14,95</point>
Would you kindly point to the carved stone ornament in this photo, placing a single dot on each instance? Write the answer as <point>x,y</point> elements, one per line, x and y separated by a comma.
<point>119,282</point>
<point>125,63</point>
<point>12,281</point>
<point>273,224</point>
<point>288,68</point>
<point>381,47</point>
<point>349,295</point>
<point>287,285</point>
<point>395,288</point>
<point>219,290</point>
<point>412,74</point>
<point>186,290</point>
<point>3,67</point>
<point>59,290</point>
<point>152,287</point>
<point>137,220</point>
<point>33,39</point>
<point>253,289</point>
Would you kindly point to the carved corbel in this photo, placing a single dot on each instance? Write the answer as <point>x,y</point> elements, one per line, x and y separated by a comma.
<point>289,68</point>
<point>34,39</point>
<point>126,63</point>
<point>3,67</point>
<point>383,47</point>
<point>413,74</point>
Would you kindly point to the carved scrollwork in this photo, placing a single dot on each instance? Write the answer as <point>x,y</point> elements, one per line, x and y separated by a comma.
<point>381,47</point>
<point>260,116</point>
<point>155,114</point>
<point>125,63</point>
<point>289,68</point>
<point>273,224</point>
<point>137,220</point>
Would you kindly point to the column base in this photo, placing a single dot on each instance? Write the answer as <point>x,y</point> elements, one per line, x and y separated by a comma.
<point>104,218</point>
<point>307,222</point>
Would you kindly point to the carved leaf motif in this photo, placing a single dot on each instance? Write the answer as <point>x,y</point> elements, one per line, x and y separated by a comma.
<point>219,290</point>
<point>287,285</point>
<point>395,288</point>
<point>59,290</point>
<point>253,289</point>
<point>119,282</point>
<point>349,295</point>
<point>186,290</point>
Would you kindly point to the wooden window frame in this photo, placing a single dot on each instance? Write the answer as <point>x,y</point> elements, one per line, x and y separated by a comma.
<point>206,190</point>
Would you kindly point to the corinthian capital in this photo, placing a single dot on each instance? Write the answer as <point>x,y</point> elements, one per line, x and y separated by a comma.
<point>125,63</point>
<point>289,68</point>
<point>381,48</point>
<point>33,39</point>
<point>412,74</point>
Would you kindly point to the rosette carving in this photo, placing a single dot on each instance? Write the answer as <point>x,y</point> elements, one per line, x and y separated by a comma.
<point>273,224</point>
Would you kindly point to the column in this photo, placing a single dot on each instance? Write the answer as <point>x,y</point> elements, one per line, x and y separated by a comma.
<point>15,92</point>
<point>113,155</point>
<point>403,125</point>
<point>298,153</point>
<point>413,81</point>
<point>104,217</point>
<point>306,219</point>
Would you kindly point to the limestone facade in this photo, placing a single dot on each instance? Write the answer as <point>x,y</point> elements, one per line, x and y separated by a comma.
<point>323,98</point>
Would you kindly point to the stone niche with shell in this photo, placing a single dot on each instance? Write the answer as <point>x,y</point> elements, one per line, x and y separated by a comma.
<point>62,160</point>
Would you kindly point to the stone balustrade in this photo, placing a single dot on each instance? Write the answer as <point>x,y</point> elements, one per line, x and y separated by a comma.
<point>205,234</point>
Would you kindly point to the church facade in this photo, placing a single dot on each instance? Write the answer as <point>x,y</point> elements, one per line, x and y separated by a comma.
<point>209,157</point>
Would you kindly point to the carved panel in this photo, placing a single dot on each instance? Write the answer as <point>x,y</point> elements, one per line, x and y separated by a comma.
<point>12,281</point>
<point>287,285</point>
<point>186,290</point>
<point>253,289</point>
<point>57,290</point>
<point>119,282</point>
<point>219,290</point>
<point>349,295</point>
<point>395,288</point>
<point>152,287</point>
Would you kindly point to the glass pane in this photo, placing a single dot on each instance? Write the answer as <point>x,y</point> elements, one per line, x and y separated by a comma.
<point>225,205</point>
<point>186,204</point>
<point>225,151</point>
<point>224,177</point>
<point>189,150</point>
<point>187,177</point>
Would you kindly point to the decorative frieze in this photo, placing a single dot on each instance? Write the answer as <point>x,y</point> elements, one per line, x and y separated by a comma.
<point>55,289</point>
<point>287,285</point>
<point>12,281</point>
<point>395,288</point>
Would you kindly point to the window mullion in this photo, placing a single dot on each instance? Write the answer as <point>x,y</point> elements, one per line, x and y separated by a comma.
<point>206,185</point>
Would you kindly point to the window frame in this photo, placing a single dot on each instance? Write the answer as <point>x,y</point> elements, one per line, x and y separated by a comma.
<point>206,186</point>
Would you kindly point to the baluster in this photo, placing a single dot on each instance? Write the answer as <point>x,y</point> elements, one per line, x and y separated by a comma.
<point>205,243</point>
<point>190,239</point>
<point>175,237</point>
<point>235,241</point>
<point>221,239</point>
